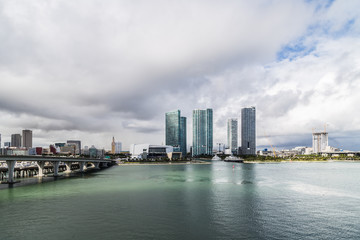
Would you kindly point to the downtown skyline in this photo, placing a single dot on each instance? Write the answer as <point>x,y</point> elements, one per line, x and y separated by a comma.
<point>90,70</point>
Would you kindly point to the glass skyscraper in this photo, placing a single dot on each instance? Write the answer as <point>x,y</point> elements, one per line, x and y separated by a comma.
<point>232,134</point>
<point>202,132</point>
<point>175,131</point>
<point>248,131</point>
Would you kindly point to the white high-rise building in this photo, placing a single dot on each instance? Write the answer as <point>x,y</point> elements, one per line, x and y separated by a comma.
<point>118,147</point>
<point>320,142</point>
<point>232,135</point>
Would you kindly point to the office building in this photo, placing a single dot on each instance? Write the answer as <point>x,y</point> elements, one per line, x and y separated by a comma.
<point>7,144</point>
<point>15,140</point>
<point>183,136</point>
<point>77,144</point>
<point>320,142</point>
<point>27,138</point>
<point>232,135</point>
<point>118,147</point>
<point>175,131</point>
<point>248,131</point>
<point>202,132</point>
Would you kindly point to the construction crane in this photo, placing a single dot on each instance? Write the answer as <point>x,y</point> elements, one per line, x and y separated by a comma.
<point>273,149</point>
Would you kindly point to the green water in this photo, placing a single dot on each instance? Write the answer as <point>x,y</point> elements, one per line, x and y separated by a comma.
<point>216,201</point>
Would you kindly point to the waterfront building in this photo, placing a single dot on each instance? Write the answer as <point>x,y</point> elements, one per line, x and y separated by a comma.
<point>15,140</point>
<point>183,136</point>
<point>232,135</point>
<point>320,142</point>
<point>248,131</point>
<point>202,132</point>
<point>113,146</point>
<point>175,131</point>
<point>32,151</point>
<point>118,147</point>
<point>59,145</point>
<point>92,151</point>
<point>7,144</point>
<point>144,151</point>
<point>27,138</point>
<point>77,144</point>
<point>68,149</point>
<point>0,140</point>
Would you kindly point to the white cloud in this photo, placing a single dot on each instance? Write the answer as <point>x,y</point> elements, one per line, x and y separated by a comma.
<point>94,69</point>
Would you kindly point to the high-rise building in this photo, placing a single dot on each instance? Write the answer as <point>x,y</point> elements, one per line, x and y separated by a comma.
<point>118,147</point>
<point>175,131</point>
<point>113,146</point>
<point>77,144</point>
<point>0,140</point>
<point>27,138</point>
<point>183,145</point>
<point>15,140</point>
<point>248,131</point>
<point>232,135</point>
<point>202,132</point>
<point>320,142</point>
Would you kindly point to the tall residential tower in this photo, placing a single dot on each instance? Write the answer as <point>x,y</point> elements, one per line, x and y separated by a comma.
<point>320,142</point>
<point>232,135</point>
<point>248,131</point>
<point>15,140</point>
<point>202,132</point>
<point>27,138</point>
<point>175,131</point>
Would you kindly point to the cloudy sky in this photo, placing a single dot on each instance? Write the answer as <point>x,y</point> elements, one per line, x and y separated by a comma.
<point>93,69</point>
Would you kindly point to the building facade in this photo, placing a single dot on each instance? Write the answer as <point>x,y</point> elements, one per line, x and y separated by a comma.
<point>27,138</point>
<point>248,131</point>
<point>202,132</point>
<point>113,146</point>
<point>183,145</point>
<point>15,140</point>
<point>175,131</point>
<point>232,135</point>
<point>77,144</point>
<point>118,147</point>
<point>320,142</point>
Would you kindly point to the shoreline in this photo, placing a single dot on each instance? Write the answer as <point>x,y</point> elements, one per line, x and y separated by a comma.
<point>300,161</point>
<point>197,162</point>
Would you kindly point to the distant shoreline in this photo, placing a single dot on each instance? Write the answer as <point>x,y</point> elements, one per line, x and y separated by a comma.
<point>300,161</point>
<point>163,163</point>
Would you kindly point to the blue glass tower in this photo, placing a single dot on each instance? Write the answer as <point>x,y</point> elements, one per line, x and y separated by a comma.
<point>175,131</point>
<point>202,132</point>
<point>248,134</point>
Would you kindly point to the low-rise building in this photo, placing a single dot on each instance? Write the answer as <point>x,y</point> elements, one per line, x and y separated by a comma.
<point>144,151</point>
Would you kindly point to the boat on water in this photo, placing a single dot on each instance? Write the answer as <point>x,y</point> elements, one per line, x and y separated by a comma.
<point>233,159</point>
<point>216,158</point>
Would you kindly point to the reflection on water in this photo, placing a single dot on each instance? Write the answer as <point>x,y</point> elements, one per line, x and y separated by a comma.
<point>217,201</point>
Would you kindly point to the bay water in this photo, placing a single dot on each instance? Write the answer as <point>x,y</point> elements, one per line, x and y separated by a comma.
<point>315,200</point>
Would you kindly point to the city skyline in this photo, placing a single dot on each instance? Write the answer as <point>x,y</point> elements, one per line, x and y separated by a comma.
<point>79,71</point>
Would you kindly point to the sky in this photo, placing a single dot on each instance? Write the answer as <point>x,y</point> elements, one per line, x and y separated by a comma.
<point>93,69</point>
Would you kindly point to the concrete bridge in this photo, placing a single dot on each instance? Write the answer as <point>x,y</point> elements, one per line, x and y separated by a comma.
<point>55,161</point>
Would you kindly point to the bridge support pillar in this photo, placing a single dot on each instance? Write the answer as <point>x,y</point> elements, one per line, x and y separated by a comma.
<point>82,166</point>
<point>40,165</point>
<point>68,167</point>
<point>11,167</point>
<point>104,164</point>
<point>96,165</point>
<point>56,168</point>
